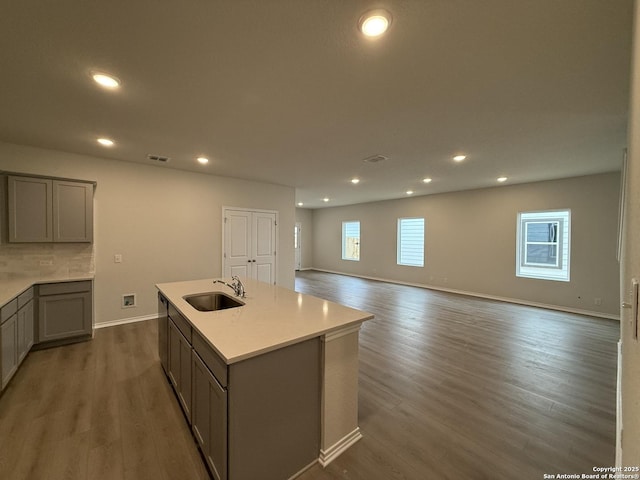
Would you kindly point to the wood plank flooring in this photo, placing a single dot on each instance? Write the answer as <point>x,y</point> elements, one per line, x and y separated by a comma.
<point>451,387</point>
<point>96,410</point>
<point>456,387</point>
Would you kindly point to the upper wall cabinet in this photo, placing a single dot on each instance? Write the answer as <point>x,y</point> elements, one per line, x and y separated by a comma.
<point>49,210</point>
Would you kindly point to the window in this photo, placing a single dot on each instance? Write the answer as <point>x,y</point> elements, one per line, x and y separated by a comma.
<point>411,242</point>
<point>351,241</point>
<point>543,245</point>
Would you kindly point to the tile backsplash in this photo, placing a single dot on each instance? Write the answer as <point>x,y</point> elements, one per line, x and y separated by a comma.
<point>40,259</point>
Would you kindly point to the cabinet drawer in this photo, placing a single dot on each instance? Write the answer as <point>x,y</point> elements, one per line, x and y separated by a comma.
<point>8,310</point>
<point>210,358</point>
<point>183,325</point>
<point>64,287</point>
<point>25,297</point>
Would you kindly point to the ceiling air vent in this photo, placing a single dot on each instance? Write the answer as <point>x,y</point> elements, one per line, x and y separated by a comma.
<point>375,159</point>
<point>158,158</point>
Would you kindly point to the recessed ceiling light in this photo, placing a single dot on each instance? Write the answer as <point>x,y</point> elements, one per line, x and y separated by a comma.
<point>374,23</point>
<point>355,181</point>
<point>300,204</point>
<point>426,180</point>
<point>105,80</point>
<point>409,192</point>
<point>105,142</point>
<point>325,199</point>
<point>203,160</point>
<point>501,179</point>
<point>459,158</point>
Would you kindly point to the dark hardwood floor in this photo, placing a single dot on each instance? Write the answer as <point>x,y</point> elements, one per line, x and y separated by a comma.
<point>451,387</point>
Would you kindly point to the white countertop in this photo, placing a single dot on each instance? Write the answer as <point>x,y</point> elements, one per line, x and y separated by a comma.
<point>12,285</point>
<point>272,317</point>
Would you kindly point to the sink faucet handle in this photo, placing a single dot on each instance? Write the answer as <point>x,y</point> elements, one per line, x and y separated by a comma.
<point>238,287</point>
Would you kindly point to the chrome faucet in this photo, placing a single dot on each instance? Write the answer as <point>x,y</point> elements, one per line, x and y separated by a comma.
<point>235,285</point>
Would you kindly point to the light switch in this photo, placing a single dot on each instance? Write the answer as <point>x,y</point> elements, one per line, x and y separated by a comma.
<point>117,258</point>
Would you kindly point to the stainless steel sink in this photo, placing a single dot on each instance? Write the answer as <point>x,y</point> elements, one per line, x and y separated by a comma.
<point>209,302</point>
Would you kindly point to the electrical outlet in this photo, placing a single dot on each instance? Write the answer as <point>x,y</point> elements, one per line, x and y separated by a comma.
<point>597,301</point>
<point>117,258</point>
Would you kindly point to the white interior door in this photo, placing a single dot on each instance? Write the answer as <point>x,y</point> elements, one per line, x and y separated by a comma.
<point>296,244</point>
<point>250,247</point>
<point>264,248</point>
<point>237,243</point>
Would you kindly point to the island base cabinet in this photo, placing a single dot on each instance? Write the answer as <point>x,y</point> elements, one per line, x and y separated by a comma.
<point>209,417</point>
<point>180,368</point>
<point>163,332</point>
<point>274,413</point>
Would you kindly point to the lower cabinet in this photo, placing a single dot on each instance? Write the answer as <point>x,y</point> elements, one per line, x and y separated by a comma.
<point>257,418</point>
<point>274,413</point>
<point>65,310</point>
<point>163,332</point>
<point>209,417</point>
<point>25,325</point>
<point>16,334</point>
<point>180,367</point>
<point>9,345</point>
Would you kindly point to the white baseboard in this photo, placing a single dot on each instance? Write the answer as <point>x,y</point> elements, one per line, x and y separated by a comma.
<point>334,451</point>
<point>297,474</point>
<point>517,301</point>
<point>124,321</point>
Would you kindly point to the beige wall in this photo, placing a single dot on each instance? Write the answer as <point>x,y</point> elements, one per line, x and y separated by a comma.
<point>470,242</point>
<point>630,371</point>
<point>166,223</point>
<point>304,216</point>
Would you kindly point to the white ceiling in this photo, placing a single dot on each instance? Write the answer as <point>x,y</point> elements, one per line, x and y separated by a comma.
<point>289,92</point>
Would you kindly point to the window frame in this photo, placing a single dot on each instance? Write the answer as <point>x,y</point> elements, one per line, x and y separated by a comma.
<point>559,240</point>
<point>358,243</point>
<point>400,244</point>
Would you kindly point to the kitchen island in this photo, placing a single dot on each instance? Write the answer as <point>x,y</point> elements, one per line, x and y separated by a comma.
<point>269,387</point>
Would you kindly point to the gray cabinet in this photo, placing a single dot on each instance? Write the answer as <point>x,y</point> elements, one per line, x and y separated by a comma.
<point>265,409</point>
<point>49,210</point>
<point>163,332</point>
<point>25,324</point>
<point>274,413</point>
<point>9,341</point>
<point>65,310</point>
<point>30,202</point>
<point>209,417</point>
<point>180,365</point>
<point>16,334</point>
<point>257,418</point>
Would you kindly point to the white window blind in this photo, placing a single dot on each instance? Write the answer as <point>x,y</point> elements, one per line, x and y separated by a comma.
<point>543,245</point>
<point>351,241</point>
<point>411,242</point>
